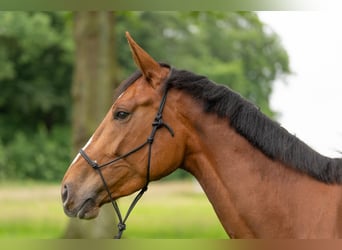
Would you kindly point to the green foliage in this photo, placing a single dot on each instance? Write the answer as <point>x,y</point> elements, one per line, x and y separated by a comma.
<point>36,70</point>
<point>36,53</point>
<point>39,156</point>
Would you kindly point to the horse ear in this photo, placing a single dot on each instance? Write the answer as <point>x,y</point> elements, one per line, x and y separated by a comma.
<point>150,69</point>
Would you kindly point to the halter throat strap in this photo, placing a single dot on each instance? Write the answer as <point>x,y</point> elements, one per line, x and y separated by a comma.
<point>156,124</point>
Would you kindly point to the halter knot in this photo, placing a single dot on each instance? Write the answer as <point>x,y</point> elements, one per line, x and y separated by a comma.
<point>121,227</point>
<point>158,123</point>
<point>95,165</point>
<point>150,140</point>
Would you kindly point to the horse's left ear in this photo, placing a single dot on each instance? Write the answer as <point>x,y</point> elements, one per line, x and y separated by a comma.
<point>151,69</point>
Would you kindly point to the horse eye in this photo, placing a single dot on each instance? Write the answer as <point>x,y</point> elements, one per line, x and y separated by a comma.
<point>121,115</point>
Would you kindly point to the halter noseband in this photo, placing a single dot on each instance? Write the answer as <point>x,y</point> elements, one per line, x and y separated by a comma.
<point>156,124</point>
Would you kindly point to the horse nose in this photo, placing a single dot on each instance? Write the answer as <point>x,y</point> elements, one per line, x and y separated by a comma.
<point>65,193</point>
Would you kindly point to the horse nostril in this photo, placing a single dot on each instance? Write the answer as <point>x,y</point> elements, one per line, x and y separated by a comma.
<point>64,193</point>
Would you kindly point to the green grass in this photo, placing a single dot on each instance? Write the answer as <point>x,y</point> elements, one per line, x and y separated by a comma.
<point>167,210</point>
<point>30,211</point>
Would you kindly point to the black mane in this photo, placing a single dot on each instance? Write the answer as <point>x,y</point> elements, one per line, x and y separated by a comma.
<point>272,139</point>
<point>263,133</point>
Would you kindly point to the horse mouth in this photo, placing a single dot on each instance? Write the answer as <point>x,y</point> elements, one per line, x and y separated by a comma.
<point>88,210</point>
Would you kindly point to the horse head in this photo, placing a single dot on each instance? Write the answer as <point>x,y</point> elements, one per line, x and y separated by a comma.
<point>121,147</point>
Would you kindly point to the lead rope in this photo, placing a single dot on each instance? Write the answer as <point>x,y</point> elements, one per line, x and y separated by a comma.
<point>157,123</point>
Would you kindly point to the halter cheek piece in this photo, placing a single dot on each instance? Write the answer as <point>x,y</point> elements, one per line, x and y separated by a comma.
<point>156,124</point>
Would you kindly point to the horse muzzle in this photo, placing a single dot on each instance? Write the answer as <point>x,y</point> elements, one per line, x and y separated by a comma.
<point>84,208</point>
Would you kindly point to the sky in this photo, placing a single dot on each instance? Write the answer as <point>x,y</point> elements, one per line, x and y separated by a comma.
<point>310,101</point>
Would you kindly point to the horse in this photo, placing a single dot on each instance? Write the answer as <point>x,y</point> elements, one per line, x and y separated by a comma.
<point>262,181</point>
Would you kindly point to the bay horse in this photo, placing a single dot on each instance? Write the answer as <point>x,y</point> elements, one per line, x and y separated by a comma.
<point>262,181</point>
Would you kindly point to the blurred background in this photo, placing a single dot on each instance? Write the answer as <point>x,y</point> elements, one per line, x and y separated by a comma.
<point>58,73</point>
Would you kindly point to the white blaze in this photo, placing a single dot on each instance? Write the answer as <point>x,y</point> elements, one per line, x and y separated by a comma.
<point>84,148</point>
<point>120,95</point>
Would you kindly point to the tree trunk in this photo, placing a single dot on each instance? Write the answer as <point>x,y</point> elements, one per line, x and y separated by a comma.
<point>92,93</point>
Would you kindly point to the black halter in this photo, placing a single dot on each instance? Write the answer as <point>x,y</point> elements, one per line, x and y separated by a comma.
<point>156,124</point>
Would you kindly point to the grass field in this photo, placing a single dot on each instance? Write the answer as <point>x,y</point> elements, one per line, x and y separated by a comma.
<point>167,210</point>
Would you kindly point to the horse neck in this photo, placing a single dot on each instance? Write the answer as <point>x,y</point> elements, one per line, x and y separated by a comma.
<point>244,186</point>
<point>221,161</point>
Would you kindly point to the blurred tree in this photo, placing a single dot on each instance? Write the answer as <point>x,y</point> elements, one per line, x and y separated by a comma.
<point>93,83</point>
<point>92,93</point>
